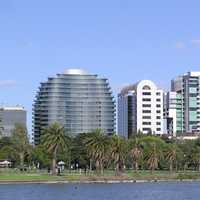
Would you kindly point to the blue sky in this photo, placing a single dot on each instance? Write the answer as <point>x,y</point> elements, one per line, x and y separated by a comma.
<point>123,40</point>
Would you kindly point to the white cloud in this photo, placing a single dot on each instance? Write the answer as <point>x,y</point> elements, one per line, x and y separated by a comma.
<point>7,83</point>
<point>180,45</point>
<point>195,41</point>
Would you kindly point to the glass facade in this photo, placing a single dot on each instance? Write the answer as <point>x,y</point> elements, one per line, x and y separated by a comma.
<point>79,101</point>
<point>9,117</point>
<point>179,114</point>
<point>188,98</point>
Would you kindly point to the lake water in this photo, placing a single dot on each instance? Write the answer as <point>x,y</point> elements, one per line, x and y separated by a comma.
<point>132,191</point>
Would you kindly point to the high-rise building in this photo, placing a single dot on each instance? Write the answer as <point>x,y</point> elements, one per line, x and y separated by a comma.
<point>9,116</point>
<point>140,108</point>
<point>81,102</point>
<point>170,105</point>
<point>187,88</point>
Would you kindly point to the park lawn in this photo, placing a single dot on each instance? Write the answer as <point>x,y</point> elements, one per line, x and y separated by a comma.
<point>163,175</point>
<point>147,175</point>
<point>29,177</point>
<point>37,177</point>
<point>108,175</point>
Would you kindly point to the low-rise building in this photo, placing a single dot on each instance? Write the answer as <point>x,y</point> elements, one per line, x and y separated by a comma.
<point>9,116</point>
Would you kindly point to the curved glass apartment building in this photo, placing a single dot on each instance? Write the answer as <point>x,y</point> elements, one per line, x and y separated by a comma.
<point>81,102</point>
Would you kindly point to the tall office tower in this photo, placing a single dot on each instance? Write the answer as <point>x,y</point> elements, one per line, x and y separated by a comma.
<point>187,88</point>
<point>9,116</point>
<point>170,107</point>
<point>140,108</point>
<point>79,101</point>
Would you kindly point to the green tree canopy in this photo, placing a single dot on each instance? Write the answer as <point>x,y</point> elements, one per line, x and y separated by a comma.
<point>20,142</point>
<point>54,140</point>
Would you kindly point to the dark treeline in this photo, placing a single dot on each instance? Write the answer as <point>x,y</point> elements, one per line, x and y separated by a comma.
<point>97,152</point>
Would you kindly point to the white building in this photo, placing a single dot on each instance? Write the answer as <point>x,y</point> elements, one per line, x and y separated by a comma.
<point>140,109</point>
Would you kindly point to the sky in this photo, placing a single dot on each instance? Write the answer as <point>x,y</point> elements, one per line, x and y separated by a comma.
<point>122,40</point>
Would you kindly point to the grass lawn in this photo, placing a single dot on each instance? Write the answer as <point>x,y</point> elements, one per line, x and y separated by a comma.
<point>11,175</point>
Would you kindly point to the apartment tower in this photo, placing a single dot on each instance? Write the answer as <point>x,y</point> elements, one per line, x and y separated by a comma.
<point>140,109</point>
<point>187,88</point>
<point>79,101</point>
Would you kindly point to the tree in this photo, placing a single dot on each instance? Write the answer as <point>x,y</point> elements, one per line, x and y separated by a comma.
<point>171,155</point>
<point>20,142</point>
<point>153,156</point>
<point>196,156</point>
<point>118,153</point>
<point>40,156</point>
<point>139,133</point>
<point>8,153</point>
<point>54,139</point>
<point>136,151</point>
<point>97,145</point>
<point>5,141</point>
<point>153,151</point>
<point>186,147</point>
<point>79,151</point>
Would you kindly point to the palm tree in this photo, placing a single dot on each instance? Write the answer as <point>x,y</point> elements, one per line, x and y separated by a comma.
<point>136,151</point>
<point>171,155</point>
<point>118,153</point>
<point>153,156</point>
<point>97,146</point>
<point>54,139</point>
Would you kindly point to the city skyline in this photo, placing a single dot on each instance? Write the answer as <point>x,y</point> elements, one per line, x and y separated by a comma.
<point>115,91</point>
<point>122,41</point>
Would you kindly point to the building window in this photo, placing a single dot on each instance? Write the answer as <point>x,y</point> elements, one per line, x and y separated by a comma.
<point>146,117</point>
<point>158,117</point>
<point>158,105</point>
<point>146,111</point>
<point>146,93</point>
<point>146,99</point>
<point>158,111</point>
<point>158,123</point>
<point>146,87</point>
<point>146,105</point>
<point>158,93</point>
<point>158,100</point>
<point>158,129</point>
<point>146,123</point>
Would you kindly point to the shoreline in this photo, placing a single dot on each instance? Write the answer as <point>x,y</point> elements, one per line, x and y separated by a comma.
<point>13,182</point>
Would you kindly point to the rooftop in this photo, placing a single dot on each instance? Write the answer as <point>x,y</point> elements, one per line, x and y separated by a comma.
<point>75,72</point>
<point>13,108</point>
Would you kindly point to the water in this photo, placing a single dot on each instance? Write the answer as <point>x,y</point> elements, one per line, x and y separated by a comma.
<point>134,191</point>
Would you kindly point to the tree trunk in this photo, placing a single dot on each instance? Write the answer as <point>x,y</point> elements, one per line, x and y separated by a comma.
<point>152,169</point>
<point>101,168</point>
<point>117,169</point>
<point>90,165</point>
<point>199,165</point>
<point>176,166</point>
<point>54,162</point>
<point>185,166</point>
<point>171,167</point>
<point>136,166</point>
<point>97,167</point>
<point>21,156</point>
